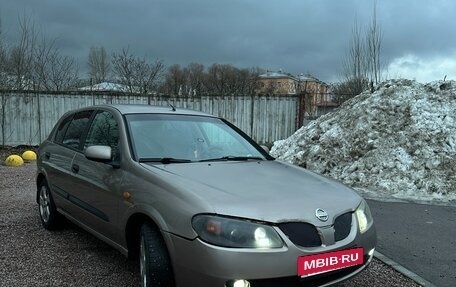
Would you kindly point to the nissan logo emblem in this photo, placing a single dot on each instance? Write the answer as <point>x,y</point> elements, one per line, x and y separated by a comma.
<point>321,214</point>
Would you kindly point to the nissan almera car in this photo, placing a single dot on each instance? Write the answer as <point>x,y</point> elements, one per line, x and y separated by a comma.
<point>198,202</point>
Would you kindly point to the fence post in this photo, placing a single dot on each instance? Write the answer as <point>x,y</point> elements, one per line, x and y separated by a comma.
<point>252,116</point>
<point>301,110</point>
<point>2,120</point>
<point>37,95</point>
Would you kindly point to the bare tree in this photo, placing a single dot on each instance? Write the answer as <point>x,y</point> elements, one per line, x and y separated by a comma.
<point>356,67</point>
<point>139,75</point>
<point>347,89</point>
<point>246,81</point>
<point>252,83</point>
<point>228,80</point>
<point>176,81</point>
<point>217,80</point>
<point>148,75</point>
<point>122,64</point>
<point>3,61</point>
<point>42,56</point>
<point>64,72</point>
<point>51,70</point>
<point>99,65</point>
<point>374,43</point>
<point>3,85</point>
<point>16,66</point>
<point>213,80</point>
<point>21,56</point>
<point>195,78</point>
<point>362,66</point>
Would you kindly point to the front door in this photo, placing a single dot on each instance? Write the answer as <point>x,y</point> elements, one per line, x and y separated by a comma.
<point>96,188</point>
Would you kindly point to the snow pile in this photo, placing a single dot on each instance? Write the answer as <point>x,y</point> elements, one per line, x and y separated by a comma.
<point>399,141</point>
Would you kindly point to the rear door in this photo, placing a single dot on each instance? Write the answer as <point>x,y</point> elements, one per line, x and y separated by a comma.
<point>59,154</point>
<point>96,187</point>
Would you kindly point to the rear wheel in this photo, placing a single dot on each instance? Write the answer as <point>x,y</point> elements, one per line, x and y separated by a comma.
<point>49,216</point>
<point>154,262</point>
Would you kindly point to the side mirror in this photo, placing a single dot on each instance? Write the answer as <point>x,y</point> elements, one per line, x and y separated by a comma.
<point>266,149</point>
<point>99,153</point>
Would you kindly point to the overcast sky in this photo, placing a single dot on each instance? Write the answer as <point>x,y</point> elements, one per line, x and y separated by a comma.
<point>297,36</point>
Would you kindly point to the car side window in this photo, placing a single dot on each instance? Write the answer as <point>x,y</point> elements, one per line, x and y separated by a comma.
<point>58,138</point>
<point>76,129</point>
<point>104,131</point>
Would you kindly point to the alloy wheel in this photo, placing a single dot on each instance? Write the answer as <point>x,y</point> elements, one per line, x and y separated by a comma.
<point>45,203</point>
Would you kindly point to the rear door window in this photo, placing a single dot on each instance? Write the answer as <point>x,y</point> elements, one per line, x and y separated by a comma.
<point>60,133</point>
<point>76,129</point>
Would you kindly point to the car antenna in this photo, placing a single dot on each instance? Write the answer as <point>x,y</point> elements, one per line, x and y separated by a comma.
<point>172,107</point>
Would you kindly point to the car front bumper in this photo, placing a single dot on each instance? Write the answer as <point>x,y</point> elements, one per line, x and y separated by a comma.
<point>196,263</point>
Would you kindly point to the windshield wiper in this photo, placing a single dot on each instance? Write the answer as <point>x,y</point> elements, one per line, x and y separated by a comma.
<point>233,158</point>
<point>164,160</point>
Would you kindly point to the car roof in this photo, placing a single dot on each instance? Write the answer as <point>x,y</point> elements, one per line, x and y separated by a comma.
<point>126,109</point>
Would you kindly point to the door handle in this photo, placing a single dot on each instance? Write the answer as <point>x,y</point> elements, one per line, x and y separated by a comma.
<point>47,155</point>
<point>75,168</point>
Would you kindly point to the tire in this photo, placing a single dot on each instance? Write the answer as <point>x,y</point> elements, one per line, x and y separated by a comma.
<point>154,262</point>
<point>50,218</point>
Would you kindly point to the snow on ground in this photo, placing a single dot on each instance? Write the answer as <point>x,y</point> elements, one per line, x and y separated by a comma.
<point>398,142</point>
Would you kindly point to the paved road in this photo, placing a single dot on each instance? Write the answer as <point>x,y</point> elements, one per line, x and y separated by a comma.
<point>420,237</point>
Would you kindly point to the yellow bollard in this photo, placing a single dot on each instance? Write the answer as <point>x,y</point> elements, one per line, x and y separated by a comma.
<point>14,160</point>
<point>29,155</point>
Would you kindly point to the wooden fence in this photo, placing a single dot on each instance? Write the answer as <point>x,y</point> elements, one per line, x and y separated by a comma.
<point>26,118</point>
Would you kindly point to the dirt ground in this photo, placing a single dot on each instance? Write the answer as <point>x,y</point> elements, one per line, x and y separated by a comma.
<point>32,256</point>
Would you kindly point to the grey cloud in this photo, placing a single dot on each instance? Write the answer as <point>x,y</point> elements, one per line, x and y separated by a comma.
<point>295,35</point>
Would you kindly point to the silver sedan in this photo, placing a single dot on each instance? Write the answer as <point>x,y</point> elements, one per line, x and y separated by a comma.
<point>197,202</point>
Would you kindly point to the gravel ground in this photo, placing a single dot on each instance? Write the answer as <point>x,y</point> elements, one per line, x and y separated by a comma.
<point>32,256</point>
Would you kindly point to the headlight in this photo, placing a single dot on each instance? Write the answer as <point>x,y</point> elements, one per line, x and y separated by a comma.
<point>364,216</point>
<point>230,232</point>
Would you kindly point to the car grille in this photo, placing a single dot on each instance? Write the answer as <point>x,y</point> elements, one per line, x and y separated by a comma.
<point>306,234</point>
<point>302,234</point>
<point>342,226</point>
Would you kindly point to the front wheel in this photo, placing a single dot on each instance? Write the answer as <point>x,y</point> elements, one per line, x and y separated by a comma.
<point>50,218</point>
<point>154,262</point>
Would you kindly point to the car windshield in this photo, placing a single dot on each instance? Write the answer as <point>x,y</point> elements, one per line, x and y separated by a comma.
<point>186,138</point>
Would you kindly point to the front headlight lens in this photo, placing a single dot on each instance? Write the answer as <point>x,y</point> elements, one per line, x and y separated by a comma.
<point>236,233</point>
<point>364,216</point>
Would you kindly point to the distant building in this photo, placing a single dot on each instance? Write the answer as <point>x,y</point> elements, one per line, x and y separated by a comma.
<point>308,84</point>
<point>277,83</point>
<point>281,83</point>
<point>314,95</point>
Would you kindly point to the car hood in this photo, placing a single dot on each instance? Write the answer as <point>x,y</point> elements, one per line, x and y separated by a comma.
<point>270,191</point>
